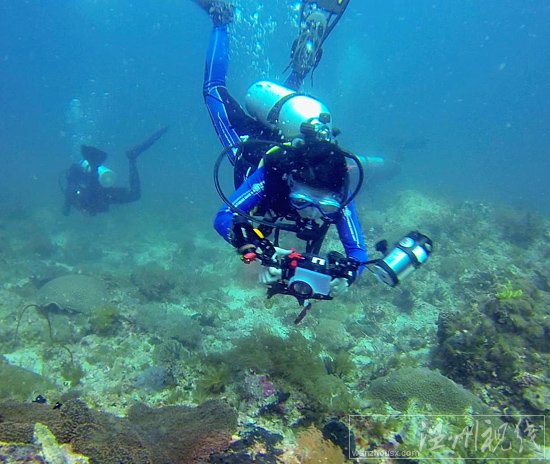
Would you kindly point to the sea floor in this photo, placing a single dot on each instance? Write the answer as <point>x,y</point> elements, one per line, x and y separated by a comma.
<point>179,320</point>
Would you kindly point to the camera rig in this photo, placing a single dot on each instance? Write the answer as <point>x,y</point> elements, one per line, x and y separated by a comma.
<point>304,276</point>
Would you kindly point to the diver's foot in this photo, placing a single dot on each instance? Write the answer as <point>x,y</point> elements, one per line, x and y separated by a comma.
<point>221,12</point>
<point>306,51</point>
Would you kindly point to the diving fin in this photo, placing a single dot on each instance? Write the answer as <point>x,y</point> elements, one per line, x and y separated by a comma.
<point>93,155</point>
<point>307,48</point>
<point>220,11</point>
<point>138,149</point>
<point>317,20</point>
<point>332,6</point>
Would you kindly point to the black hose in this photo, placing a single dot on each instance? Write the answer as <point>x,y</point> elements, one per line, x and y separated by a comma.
<point>284,226</point>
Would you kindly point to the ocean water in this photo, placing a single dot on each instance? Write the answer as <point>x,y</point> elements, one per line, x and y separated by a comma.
<point>458,92</point>
<point>468,78</point>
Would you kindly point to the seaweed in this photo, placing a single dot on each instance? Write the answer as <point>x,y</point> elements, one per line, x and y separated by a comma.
<point>214,381</point>
<point>296,363</point>
<point>105,320</point>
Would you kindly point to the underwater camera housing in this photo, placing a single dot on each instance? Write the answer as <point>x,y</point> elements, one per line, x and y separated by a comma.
<point>407,255</point>
<point>307,277</point>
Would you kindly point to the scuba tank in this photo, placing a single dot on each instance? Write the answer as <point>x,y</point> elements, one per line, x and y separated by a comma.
<point>106,176</point>
<point>285,109</point>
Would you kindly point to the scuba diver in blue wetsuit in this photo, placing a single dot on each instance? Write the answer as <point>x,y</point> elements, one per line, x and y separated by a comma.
<point>289,172</point>
<point>89,185</point>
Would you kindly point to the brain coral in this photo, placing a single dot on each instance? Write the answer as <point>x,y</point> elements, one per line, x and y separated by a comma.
<point>428,388</point>
<point>73,292</point>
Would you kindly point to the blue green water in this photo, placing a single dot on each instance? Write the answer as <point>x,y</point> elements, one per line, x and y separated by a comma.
<point>457,91</point>
<point>469,78</point>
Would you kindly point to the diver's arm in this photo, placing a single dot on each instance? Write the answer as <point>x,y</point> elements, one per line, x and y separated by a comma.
<point>221,107</point>
<point>378,168</point>
<point>351,235</point>
<point>249,195</point>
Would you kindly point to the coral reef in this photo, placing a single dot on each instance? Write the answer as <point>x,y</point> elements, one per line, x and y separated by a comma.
<point>18,453</point>
<point>18,383</point>
<point>153,282</point>
<point>312,448</point>
<point>170,324</point>
<point>195,327</point>
<point>53,452</point>
<point>215,379</point>
<point>502,341</point>
<point>169,434</point>
<point>78,293</point>
<point>154,378</point>
<point>430,391</point>
<point>522,228</point>
<point>254,446</point>
<point>295,364</point>
<point>105,320</point>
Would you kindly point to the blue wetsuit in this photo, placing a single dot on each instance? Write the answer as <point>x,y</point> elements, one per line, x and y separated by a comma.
<point>230,122</point>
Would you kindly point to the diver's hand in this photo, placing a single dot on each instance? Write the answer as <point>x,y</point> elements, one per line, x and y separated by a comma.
<point>338,286</point>
<point>270,275</point>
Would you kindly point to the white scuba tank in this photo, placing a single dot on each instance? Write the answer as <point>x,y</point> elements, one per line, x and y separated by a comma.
<point>282,108</point>
<point>106,176</point>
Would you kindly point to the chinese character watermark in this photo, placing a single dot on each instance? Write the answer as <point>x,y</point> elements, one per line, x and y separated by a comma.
<point>448,437</point>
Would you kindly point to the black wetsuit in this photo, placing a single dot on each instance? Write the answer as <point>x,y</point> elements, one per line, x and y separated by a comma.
<point>85,193</point>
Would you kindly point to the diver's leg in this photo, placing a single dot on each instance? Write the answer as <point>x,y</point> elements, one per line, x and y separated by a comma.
<point>123,195</point>
<point>215,91</point>
<point>135,184</point>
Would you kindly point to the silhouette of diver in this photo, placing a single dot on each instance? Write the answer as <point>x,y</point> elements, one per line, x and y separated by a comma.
<point>89,184</point>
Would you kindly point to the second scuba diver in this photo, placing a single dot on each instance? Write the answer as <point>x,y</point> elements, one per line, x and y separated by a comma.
<point>89,185</point>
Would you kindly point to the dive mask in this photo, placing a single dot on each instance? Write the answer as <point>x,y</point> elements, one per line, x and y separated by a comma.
<point>302,196</point>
